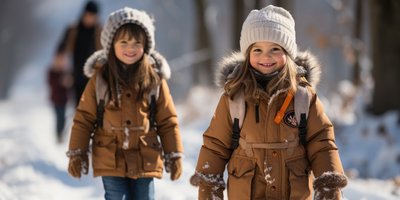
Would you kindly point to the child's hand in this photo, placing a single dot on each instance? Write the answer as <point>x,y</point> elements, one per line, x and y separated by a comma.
<point>211,186</point>
<point>173,164</point>
<point>329,185</point>
<point>78,164</point>
<point>176,169</point>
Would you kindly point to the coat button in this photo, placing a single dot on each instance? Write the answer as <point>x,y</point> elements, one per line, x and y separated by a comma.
<point>128,95</point>
<point>128,122</point>
<point>273,188</point>
<point>274,153</point>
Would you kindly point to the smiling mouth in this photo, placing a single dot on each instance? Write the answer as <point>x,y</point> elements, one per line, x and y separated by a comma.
<point>130,55</point>
<point>266,64</point>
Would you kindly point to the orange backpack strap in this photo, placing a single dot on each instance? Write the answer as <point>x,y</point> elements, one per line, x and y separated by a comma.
<point>281,112</point>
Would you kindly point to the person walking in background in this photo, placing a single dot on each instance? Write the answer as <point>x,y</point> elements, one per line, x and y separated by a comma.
<point>82,39</point>
<point>128,107</point>
<point>60,81</point>
<point>269,126</point>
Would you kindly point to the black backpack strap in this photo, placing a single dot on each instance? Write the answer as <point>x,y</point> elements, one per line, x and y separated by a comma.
<point>152,99</point>
<point>235,134</point>
<point>237,109</point>
<point>302,102</point>
<point>100,113</point>
<point>153,110</point>
<point>303,129</point>
<point>102,98</point>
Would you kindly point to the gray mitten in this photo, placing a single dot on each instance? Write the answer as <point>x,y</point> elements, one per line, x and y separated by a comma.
<point>329,185</point>
<point>211,186</point>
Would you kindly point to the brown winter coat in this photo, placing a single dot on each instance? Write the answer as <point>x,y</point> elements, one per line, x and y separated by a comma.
<point>71,34</point>
<point>143,158</point>
<point>269,173</point>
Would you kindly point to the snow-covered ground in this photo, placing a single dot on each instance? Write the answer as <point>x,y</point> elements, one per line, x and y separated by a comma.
<point>33,166</point>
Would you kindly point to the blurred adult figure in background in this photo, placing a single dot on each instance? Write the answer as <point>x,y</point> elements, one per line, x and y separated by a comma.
<point>81,40</point>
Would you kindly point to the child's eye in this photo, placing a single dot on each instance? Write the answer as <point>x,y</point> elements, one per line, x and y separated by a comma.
<point>256,50</point>
<point>138,45</point>
<point>276,50</point>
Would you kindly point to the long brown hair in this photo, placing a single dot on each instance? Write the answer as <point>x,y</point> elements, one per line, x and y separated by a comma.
<point>140,75</point>
<point>245,80</point>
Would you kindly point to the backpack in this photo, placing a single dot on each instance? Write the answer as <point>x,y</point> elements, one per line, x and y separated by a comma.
<point>302,99</point>
<point>102,98</point>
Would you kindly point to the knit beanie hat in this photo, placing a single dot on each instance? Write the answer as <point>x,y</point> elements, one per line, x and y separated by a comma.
<point>92,7</point>
<point>124,16</point>
<point>273,24</point>
<point>115,20</point>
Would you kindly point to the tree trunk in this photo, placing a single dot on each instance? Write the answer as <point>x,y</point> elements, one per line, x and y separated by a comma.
<point>357,36</point>
<point>239,16</point>
<point>16,43</point>
<point>385,32</point>
<point>203,71</point>
<point>287,4</point>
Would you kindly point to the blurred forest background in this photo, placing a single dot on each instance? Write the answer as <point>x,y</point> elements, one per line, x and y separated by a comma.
<point>357,42</point>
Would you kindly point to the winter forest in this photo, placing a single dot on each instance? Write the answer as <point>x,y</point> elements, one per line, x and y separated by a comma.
<point>357,43</point>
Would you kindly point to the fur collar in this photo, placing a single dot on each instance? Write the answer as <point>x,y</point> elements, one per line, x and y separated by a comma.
<point>99,58</point>
<point>307,66</point>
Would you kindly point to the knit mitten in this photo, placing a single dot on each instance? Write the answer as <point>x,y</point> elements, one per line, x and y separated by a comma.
<point>211,186</point>
<point>173,164</point>
<point>176,169</point>
<point>78,163</point>
<point>328,186</point>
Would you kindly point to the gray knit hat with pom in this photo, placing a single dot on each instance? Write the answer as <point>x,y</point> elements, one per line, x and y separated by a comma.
<point>124,16</point>
<point>273,24</point>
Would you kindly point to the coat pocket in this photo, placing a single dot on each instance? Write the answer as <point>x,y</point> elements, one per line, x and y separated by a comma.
<point>104,149</point>
<point>299,174</point>
<point>241,171</point>
<point>150,150</point>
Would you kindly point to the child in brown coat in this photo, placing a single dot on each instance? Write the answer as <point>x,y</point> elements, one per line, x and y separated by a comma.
<point>270,154</point>
<point>129,109</point>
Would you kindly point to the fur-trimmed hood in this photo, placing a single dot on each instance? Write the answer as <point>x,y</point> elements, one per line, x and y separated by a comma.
<point>99,58</point>
<point>307,66</point>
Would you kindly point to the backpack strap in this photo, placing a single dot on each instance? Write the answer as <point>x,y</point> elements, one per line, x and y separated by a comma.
<point>102,98</point>
<point>302,102</point>
<point>153,97</point>
<point>237,108</point>
<point>302,99</point>
<point>279,116</point>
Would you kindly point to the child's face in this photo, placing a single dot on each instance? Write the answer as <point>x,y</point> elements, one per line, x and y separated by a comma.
<point>267,57</point>
<point>128,51</point>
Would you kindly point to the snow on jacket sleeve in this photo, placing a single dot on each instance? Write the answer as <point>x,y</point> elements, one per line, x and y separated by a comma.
<point>167,122</point>
<point>215,151</point>
<point>321,147</point>
<point>84,119</point>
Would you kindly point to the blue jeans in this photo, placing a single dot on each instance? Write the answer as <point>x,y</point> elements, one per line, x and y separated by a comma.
<point>122,188</point>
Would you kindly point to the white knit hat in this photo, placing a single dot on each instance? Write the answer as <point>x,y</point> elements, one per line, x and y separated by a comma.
<point>124,16</point>
<point>273,24</point>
